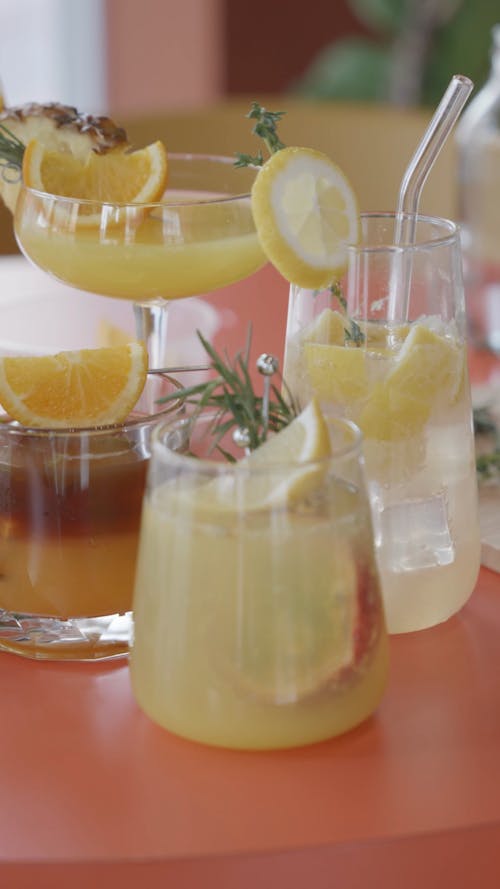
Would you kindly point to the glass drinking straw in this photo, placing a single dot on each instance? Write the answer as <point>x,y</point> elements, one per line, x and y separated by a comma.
<point>443,121</point>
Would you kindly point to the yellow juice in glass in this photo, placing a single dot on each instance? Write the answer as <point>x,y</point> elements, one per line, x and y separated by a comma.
<point>70,508</point>
<point>257,625</point>
<point>407,388</point>
<point>69,525</point>
<point>385,346</point>
<point>193,242</point>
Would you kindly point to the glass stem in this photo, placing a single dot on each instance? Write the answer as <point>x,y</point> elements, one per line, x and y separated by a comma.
<point>151,319</point>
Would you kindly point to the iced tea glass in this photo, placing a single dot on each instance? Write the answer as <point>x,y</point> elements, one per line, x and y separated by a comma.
<point>257,610</point>
<point>70,505</point>
<point>398,368</point>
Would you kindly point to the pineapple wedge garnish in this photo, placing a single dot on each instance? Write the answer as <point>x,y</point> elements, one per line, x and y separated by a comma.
<point>60,127</point>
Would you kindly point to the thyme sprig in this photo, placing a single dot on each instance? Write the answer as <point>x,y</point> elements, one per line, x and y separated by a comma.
<point>232,396</point>
<point>353,332</point>
<point>265,128</point>
<point>11,150</point>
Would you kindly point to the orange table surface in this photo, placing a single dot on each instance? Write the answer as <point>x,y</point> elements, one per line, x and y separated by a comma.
<point>94,794</point>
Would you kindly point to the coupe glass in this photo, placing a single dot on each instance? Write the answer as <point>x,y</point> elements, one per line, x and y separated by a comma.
<point>401,375</point>
<point>70,506</point>
<point>200,237</point>
<point>258,621</point>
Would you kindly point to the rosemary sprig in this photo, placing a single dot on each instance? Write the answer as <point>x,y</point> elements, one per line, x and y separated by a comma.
<point>265,128</point>
<point>237,406</point>
<point>11,149</point>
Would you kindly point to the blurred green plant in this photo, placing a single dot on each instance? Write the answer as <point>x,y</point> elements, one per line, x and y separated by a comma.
<point>415,48</point>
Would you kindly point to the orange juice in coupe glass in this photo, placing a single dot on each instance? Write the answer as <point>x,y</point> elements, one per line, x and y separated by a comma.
<point>198,238</point>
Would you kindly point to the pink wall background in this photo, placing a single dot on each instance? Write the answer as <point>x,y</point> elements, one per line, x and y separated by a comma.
<point>163,54</point>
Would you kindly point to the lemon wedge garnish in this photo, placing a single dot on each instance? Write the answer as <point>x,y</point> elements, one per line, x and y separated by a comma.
<point>286,468</point>
<point>338,374</point>
<point>305,213</point>
<point>305,439</point>
<point>328,327</point>
<point>427,372</point>
<point>289,466</point>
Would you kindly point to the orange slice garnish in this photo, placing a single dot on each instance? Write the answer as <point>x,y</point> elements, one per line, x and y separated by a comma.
<point>90,387</point>
<point>114,177</point>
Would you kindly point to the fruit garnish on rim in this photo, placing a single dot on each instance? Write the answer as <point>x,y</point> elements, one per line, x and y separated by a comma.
<point>273,433</point>
<point>304,208</point>
<point>90,387</point>
<point>58,127</point>
<point>136,177</point>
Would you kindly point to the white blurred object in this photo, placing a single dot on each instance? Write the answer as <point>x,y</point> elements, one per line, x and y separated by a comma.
<point>478,142</point>
<point>45,47</point>
<point>41,316</point>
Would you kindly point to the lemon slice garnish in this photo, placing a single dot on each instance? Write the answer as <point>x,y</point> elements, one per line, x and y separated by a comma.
<point>306,213</point>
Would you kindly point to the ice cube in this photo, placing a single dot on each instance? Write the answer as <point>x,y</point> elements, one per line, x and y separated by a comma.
<point>415,534</point>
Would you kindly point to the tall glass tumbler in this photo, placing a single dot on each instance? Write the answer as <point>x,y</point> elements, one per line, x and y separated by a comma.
<point>257,611</point>
<point>70,507</point>
<point>386,348</point>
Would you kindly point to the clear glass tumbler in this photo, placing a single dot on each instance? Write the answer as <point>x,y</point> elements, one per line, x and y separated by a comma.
<point>257,610</point>
<point>70,506</point>
<point>386,348</point>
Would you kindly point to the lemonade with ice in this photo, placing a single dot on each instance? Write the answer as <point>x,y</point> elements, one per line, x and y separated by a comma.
<point>406,386</point>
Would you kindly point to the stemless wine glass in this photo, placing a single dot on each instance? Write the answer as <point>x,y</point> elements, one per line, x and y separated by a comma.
<point>70,506</point>
<point>200,237</point>
<point>257,613</point>
<point>397,366</point>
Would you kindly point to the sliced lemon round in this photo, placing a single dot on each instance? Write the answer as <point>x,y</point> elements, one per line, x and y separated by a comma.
<point>289,642</point>
<point>306,213</point>
<point>116,177</point>
<point>90,387</point>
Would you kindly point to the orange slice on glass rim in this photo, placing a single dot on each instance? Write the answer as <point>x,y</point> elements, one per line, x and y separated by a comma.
<point>90,387</point>
<point>305,213</point>
<point>113,177</point>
